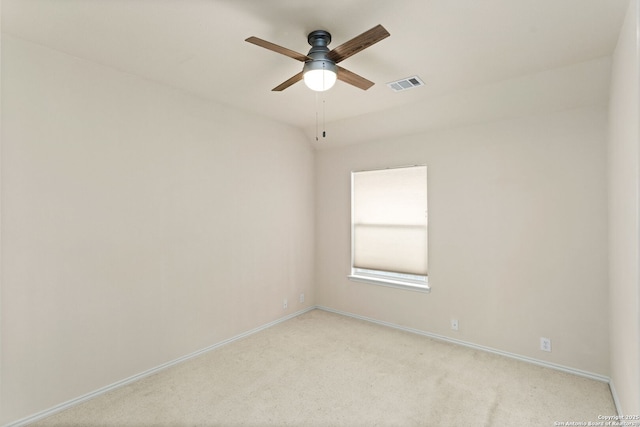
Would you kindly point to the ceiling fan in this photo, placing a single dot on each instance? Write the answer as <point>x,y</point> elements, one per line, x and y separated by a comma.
<point>320,69</point>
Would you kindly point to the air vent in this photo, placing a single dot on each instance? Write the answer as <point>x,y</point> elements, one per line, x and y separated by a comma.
<point>404,84</point>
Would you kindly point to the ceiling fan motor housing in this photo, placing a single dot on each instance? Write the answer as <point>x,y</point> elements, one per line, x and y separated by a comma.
<point>319,41</point>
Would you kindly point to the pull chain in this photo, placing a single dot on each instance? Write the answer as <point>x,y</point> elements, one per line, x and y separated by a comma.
<point>316,116</point>
<point>324,132</point>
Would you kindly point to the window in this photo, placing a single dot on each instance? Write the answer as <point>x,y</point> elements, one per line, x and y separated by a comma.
<point>389,227</point>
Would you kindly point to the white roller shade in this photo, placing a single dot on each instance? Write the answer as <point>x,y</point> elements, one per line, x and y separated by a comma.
<point>389,209</point>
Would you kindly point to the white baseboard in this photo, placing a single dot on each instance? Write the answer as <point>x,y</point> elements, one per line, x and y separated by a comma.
<point>66,405</point>
<point>567,369</point>
<point>616,401</point>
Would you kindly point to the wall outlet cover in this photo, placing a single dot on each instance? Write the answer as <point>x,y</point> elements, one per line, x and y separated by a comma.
<point>545,344</point>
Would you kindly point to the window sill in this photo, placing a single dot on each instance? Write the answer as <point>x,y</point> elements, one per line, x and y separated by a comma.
<point>391,283</point>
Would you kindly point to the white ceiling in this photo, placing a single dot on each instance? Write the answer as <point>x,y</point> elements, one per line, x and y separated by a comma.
<point>464,50</point>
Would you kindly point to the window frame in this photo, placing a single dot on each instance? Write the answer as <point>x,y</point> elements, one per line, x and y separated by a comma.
<point>410,282</point>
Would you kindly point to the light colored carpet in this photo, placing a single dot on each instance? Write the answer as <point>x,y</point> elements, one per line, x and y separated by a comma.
<point>324,369</point>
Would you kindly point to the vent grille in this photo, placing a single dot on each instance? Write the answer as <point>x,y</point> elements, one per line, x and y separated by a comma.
<point>404,84</point>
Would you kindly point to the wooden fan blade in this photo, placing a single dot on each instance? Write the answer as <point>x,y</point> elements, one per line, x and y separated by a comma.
<point>279,49</point>
<point>286,84</point>
<point>358,43</point>
<point>353,79</point>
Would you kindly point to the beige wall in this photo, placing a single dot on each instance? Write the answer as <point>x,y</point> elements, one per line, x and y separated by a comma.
<point>139,224</point>
<point>624,241</point>
<point>517,235</point>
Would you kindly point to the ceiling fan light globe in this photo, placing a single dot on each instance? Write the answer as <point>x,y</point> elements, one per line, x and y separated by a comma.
<point>320,80</point>
<point>319,74</point>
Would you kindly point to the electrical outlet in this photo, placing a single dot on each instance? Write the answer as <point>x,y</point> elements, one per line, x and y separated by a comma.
<point>454,324</point>
<point>302,297</point>
<point>545,344</point>
<point>285,304</point>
